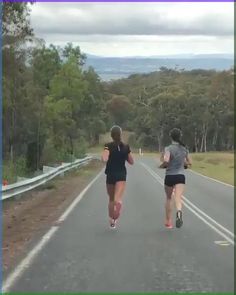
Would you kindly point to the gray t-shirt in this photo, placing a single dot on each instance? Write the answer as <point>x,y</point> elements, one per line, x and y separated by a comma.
<point>178,153</point>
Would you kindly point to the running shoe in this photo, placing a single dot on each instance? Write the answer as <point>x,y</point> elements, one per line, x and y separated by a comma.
<point>179,219</point>
<point>113,223</point>
<point>168,225</point>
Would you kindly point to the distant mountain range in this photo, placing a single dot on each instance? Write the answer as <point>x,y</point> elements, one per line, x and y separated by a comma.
<point>110,68</point>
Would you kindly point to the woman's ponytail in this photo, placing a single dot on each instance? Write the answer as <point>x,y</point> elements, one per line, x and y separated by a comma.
<point>116,132</point>
<point>176,135</point>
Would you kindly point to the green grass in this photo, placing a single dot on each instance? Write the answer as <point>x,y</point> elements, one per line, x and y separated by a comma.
<point>218,165</point>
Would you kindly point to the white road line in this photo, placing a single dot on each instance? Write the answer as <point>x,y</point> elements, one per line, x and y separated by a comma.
<point>76,201</point>
<point>208,217</point>
<point>193,208</point>
<point>210,225</point>
<point>27,261</point>
<point>210,178</point>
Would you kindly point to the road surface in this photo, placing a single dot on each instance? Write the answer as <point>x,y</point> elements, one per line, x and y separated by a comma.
<point>81,254</point>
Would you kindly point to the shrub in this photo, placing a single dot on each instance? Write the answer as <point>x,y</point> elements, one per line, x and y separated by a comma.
<point>80,148</point>
<point>12,169</point>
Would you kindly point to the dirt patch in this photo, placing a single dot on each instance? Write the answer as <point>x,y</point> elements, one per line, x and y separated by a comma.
<point>33,213</point>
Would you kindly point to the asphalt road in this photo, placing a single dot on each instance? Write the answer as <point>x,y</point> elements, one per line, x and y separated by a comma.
<point>84,255</point>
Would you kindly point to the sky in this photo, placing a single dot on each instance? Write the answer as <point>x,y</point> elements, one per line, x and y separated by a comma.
<point>137,29</point>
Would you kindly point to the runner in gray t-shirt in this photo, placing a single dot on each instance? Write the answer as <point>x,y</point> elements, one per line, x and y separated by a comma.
<point>175,160</point>
<point>178,154</point>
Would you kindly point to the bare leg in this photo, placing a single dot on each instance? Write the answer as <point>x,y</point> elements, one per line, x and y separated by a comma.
<point>111,193</point>
<point>119,191</point>
<point>179,189</point>
<point>168,205</point>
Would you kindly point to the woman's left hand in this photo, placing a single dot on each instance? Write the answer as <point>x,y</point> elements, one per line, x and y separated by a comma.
<point>163,165</point>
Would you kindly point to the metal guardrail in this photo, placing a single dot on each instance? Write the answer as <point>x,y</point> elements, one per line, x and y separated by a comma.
<point>18,188</point>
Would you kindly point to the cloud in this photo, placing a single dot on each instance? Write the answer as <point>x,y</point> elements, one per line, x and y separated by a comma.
<point>207,19</point>
<point>126,29</point>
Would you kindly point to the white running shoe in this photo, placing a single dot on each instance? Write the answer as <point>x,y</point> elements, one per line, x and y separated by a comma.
<point>113,223</point>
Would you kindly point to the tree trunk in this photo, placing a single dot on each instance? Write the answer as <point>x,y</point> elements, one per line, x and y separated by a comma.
<point>11,152</point>
<point>203,147</point>
<point>12,133</point>
<point>160,138</point>
<point>214,140</point>
<point>205,139</point>
<point>71,145</point>
<point>195,142</point>
<point>39,133</point>
<point>38,142</point>
<point>202,142</point>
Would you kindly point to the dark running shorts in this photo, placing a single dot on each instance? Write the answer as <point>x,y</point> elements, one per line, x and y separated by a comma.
<point>172,180</point>
<point>113,178</point>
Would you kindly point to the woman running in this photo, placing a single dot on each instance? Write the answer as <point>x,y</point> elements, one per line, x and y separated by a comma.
<point>115,154</point>
<point>175,160</point>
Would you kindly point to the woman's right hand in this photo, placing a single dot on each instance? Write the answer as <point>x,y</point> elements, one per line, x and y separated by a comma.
<point>130,159</point>
<point>187,165</point>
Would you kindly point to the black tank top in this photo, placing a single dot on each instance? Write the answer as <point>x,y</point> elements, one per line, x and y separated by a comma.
<point>117,157</point>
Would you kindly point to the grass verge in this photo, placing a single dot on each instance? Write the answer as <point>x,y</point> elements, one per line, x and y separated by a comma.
<point>218,165</point>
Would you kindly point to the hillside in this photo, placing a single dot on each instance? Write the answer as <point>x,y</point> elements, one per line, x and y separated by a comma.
<point>110,68</point>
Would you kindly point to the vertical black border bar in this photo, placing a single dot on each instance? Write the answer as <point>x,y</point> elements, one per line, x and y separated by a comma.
<point>234,144</point>
<point>1,266</point>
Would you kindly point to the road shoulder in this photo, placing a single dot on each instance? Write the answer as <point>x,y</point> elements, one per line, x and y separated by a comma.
<point>28,217</point>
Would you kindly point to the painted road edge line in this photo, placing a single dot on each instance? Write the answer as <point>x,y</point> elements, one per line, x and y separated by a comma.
<point>210,178</point>
<point>27,261</point>
<point>160,180</point>
<point>196,208</point>
<point>209,224</point>
<point>209,218</point>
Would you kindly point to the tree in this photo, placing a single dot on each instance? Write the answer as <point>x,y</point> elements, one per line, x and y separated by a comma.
<point>16,31</point>
<point>119,108</point>
<point>92,112</point>
<point>199,102</point>
<point>63,127</point>
<point>69,51</point>
<point>15,23</point>
<point>67,91</point>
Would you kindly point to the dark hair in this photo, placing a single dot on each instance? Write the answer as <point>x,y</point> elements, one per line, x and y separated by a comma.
<point>176,135</point>
<point>116,132</point>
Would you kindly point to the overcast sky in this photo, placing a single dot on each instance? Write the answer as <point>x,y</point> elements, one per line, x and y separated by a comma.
<point>131,29</point>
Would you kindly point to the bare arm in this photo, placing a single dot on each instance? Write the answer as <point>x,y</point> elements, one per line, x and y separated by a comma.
<point>162,157</point>
<point>188,161</point>
<point>165,158</point>
<point>105,155</point>
<point>130,159</point>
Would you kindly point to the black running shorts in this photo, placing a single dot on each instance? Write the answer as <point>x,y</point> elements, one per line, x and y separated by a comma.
<point>113,178</point>
<point>172,180</point>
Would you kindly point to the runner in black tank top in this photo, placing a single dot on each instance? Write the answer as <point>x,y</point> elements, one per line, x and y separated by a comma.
<point>116,154</point>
